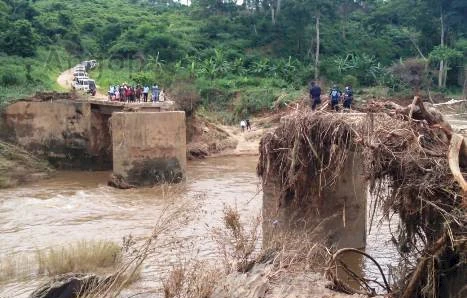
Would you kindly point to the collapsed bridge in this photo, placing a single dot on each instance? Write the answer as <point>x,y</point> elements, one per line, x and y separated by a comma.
<point>143,143</point>
<point>317,168</point>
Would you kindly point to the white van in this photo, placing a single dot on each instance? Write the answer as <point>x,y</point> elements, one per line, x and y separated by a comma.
<point>81,76</point>
<point>89,64</point>
<point>84,84</point>
<point>79,68</point>
<point>80,73</point>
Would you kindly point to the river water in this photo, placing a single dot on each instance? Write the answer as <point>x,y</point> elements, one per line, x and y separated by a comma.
<point>78,205</point>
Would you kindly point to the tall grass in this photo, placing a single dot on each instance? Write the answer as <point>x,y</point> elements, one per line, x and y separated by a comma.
<point>20,267</point>
<point>135,253</point>
<point>80,257</point>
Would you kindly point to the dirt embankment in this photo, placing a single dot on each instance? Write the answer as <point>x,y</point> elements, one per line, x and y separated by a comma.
<point>18,166</point>
<point>207,138</point>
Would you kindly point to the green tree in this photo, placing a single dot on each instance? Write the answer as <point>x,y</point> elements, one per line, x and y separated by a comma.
<point>444,55</point>
<point>19,39</point>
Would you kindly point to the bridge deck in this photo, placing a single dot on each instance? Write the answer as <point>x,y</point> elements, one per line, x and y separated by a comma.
<point>109,107</point>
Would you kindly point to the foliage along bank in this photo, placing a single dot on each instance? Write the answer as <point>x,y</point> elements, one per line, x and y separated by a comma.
<point>238,58</point>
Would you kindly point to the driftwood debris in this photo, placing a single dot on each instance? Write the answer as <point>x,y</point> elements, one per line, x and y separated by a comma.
<point>415,163</point>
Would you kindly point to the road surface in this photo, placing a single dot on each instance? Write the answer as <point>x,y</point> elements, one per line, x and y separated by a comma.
<point>65,79</point>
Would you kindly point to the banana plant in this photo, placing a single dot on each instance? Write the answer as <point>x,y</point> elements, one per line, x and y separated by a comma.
<point>261,67</point>
<point>156,63</point>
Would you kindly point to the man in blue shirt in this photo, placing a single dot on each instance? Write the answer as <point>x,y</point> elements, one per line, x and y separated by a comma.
<point>335,95</point>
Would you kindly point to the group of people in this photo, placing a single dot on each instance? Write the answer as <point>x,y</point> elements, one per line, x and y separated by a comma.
<point>245,124</point>
<point>138,93</point>
<point>335,96</point>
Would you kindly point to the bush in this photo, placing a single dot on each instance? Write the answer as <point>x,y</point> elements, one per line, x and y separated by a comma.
<point>412,71</point>
<point>350,80</point>
<point>10,79</point>
<point>186,96</point>
<point>143,79</point>
<point>254,101</point>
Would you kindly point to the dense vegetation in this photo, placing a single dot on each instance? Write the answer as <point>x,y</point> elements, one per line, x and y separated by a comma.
<point>241,57</point>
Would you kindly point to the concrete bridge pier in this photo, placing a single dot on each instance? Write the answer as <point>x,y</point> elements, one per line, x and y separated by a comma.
<point>148,147</point>
<point>335,217</point>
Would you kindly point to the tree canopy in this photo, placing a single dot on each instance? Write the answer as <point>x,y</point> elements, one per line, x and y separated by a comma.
<point>242,41</point>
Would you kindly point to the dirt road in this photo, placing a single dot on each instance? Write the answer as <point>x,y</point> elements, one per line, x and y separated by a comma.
<point>65,79</point>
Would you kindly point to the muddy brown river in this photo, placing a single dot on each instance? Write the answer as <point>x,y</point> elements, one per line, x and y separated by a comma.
<point>78,205</point>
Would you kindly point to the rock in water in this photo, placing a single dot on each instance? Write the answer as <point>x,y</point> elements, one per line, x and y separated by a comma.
<point>119,182</point>
<point>66,286</point>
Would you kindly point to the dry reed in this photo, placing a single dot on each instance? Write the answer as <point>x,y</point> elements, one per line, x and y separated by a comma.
<point>80,257</point>
<point>172,217</point>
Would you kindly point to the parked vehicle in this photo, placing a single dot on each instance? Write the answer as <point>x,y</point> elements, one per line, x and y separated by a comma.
<point>79,68</point>
<point>89,64</point>
<point>87,85</point>
<point>80,74</point>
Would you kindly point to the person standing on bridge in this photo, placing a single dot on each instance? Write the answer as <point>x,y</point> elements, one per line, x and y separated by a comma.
<point>139,91</point>
<point>315,95</point>
<point>334,96</point>
<point>127,93</point>
<point>155,93</point>
<point>145,93</point>
<point>117,93</point>
<point>348,97</point>
<point>111,92</point>
<point>122,93</point>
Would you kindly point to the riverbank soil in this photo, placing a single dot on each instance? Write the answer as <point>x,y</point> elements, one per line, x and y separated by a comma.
<point>209,138</point>
<point>256,284</point>
<point>18,166</point>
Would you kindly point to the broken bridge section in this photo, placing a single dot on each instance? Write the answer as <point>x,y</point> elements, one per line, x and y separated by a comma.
<point>143,143</point>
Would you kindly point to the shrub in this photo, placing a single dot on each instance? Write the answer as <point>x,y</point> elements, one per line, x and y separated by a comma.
<point>143,79</point>
<point>350,79</point>
<point>185,95</point>
<point>412,72</point>
<point>254,101</point>
<point>10,79</point>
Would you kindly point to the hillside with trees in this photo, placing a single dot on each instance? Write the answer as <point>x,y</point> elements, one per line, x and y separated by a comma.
<point>239,57</point>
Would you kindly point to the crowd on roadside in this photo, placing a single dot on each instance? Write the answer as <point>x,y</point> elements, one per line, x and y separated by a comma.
<point>139,93</point>
<point>335,96</point>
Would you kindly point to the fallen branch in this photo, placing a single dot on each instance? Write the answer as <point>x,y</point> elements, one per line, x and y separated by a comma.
<point>339,284</point>
<point>453,157</point>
